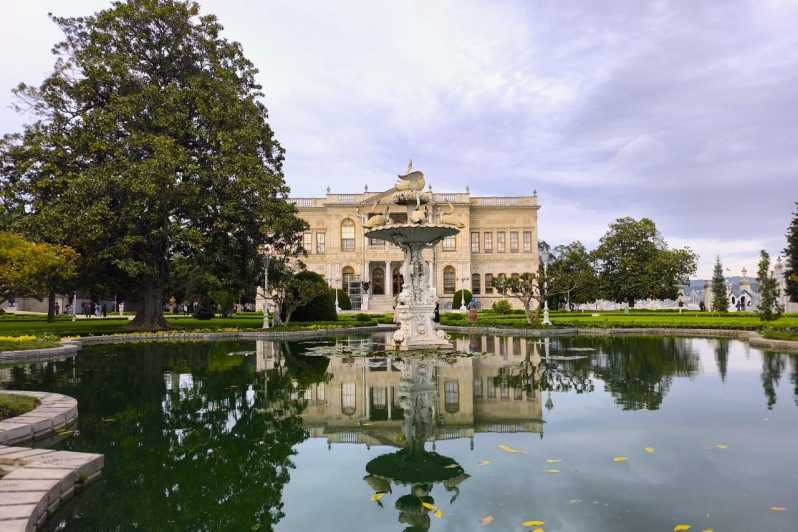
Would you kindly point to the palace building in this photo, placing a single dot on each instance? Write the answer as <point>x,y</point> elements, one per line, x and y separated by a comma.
<point>498,236</point>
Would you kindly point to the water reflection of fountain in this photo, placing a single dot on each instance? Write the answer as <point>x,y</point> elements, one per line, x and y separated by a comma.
<point>413,467</point>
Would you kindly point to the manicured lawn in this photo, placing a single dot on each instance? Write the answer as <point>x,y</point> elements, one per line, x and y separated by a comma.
<point>64,326</point>
<point>669,319</point>
<point>12,405</point>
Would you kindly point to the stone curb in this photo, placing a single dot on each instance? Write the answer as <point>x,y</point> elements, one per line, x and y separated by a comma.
<point>753,338</point>
<point>54,412</point>
<point>40,479</point>
<point>72,346</point>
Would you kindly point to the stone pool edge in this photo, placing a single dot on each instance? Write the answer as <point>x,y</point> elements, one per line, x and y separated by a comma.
<point>753,338</point>
<point>73,345</point>
<point>40,480</point>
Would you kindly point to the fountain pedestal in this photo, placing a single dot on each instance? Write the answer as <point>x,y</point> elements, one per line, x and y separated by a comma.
<point>416,303</point>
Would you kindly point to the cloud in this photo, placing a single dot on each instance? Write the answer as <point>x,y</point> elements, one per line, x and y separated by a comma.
<point>681,111</point>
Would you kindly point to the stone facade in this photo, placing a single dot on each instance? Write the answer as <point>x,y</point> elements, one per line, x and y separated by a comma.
<point>498,236</point>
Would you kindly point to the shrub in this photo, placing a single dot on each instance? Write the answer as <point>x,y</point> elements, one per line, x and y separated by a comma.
<point>502,306</point>
<point>362,317</point>
<point>203,312</point>
<point>321,308</point>
<point>458,295</point>
<point>343,299</point>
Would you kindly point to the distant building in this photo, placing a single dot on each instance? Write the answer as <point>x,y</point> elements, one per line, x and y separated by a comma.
<point>498,237</point>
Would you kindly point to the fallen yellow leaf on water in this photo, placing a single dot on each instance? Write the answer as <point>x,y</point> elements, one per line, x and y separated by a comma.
<point>677,528</point>
<point>708,530</point>
<point>533,522</point>
<point>553,461</point>
<point>508,449</point>
<point>438,514</point>
<point>619,459</point>
<point>428,506</point>
<point>721,446</point>
<point>649,450</point>
<point>551,471</point>
<point>778,509</point>
<point>485,462</point>
<point>538,530</point>
<point>377,496</point>
<point>488,519</point>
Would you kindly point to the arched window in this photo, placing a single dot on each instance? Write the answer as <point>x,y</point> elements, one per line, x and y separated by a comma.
<point>346,277</point>
<point>475,283</point>
<point>448,280</point>
<point>348,398</point>
<point>378,281</point>
<point>451,391</point>
<point>347,235</point>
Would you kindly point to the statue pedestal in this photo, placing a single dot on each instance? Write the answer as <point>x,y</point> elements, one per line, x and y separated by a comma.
<point>417,330</point>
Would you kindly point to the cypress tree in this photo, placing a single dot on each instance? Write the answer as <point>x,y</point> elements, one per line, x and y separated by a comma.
<point>720,299</point>
<point>791,252</point>
<point>768,290</point>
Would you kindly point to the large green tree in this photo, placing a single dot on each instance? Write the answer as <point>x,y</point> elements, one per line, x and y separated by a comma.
<point>153,145</point>
<point>791,252</point>
<point>573,275</point>
<point>720,297</point>
<point>33,269</point>
<point>635,263</point>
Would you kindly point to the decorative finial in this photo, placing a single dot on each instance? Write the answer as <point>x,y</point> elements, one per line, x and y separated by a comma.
<point>409,166</point>
<point>430,187</point>
<point>745,272</point>
<point>468,189</point>
<point>366,188</point>
<point>328,190</point>
<point>535,192</point>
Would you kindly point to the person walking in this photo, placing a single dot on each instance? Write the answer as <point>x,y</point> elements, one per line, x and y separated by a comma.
<point>105,311</point>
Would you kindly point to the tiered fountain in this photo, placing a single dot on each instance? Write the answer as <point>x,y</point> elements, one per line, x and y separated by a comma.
<point>416,302</point>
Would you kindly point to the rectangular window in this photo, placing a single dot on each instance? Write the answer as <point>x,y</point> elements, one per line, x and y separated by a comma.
<point>488,283</point>
<point>513,241</point>
<point>474,242</point>
<point>376,243</point>
<point>321,243</point>
<point>475,284</point>
<point>500,236</point>
<point>491,388</point>
<point>477,387</point>
<point>307,242</point>
<point>348,236</point>
<point>527,241</point>
<point>488,241</point>
<point>449,243</point>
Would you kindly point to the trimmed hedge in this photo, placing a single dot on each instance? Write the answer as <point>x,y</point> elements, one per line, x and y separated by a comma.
<point>343,299</point>
<point>321,308</point>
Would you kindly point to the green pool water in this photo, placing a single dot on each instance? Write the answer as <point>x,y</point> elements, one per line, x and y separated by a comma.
<point>594,434</point>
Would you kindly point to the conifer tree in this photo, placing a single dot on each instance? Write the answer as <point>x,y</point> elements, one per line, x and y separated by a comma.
<point>720,299</point>
<point>769,308</point>
<point>791,252</point>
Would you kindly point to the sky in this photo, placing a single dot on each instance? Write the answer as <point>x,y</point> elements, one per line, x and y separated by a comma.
<point>685,112</point>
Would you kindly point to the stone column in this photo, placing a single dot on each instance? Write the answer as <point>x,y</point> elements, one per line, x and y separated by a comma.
<point>388,279</point>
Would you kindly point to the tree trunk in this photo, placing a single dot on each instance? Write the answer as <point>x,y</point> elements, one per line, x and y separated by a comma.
<point>631,303</point>
<point>51,305</point>
<point>150,316</point>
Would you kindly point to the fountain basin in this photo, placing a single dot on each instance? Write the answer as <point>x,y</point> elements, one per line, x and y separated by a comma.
<point>408,233</point>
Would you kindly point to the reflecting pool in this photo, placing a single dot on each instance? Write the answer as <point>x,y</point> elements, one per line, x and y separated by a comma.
<point>627,433</point>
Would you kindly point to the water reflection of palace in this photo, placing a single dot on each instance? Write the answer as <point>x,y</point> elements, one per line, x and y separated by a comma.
<point>359,400</point>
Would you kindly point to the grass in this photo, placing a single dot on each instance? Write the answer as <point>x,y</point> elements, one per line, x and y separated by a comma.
<point>12,405</point>
<point>663,319</point>
<point>43,332</point>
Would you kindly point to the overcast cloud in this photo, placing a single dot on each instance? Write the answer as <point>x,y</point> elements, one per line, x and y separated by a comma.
<point>686,112</point>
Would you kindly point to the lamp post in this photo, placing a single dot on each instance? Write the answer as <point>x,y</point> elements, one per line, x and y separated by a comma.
<point>545,256</point>
<point>336,282</point>
<point>549,402</point>
<point>267,257</point>
<point>75,306</point>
